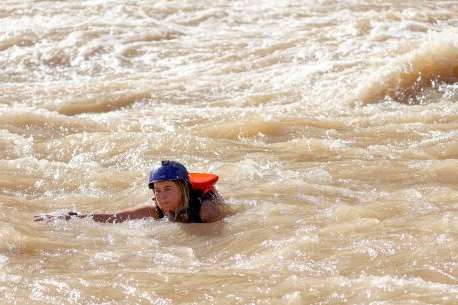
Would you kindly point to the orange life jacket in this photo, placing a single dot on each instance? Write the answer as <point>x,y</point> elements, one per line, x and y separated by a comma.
<point>203,182</point>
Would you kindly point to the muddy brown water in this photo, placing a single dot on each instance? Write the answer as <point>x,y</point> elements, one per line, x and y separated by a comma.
<point>333,126</point>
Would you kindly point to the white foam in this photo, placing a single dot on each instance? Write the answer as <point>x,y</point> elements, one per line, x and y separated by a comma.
<point>3,260</point>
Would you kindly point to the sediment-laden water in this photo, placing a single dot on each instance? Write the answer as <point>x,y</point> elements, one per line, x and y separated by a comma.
<point>333,126</point>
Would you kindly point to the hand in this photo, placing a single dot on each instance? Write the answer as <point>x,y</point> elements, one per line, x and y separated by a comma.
<point>49,218</point>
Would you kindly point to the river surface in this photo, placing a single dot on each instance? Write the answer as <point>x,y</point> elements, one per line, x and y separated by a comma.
<point>333,126</point>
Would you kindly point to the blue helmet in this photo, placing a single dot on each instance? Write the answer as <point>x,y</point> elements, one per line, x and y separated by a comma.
<point>168,170</point>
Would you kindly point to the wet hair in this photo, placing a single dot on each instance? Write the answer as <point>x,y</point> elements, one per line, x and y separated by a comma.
<point>185,194</point>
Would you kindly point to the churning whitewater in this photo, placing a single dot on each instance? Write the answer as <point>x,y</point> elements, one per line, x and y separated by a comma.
<point>332,125</point>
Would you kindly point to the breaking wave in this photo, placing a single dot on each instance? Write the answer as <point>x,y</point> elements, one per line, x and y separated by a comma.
<point>406,77</point>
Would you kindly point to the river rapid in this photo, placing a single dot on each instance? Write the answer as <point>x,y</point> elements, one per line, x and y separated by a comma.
<point>333,126</point>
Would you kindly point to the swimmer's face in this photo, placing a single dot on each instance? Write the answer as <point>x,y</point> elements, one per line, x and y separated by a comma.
<point>168,195</point>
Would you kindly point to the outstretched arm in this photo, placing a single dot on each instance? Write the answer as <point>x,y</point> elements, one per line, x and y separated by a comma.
<point>137,213</point>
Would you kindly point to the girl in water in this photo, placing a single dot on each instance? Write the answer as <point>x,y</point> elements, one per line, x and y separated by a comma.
<point>178,195</point>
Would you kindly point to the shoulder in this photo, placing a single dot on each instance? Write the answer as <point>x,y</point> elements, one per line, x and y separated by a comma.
<point>209,212</point>
<point>207,205</point>
<point>213,208</point>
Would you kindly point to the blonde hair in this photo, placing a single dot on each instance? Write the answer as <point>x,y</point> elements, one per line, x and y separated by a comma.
<point>185,194</point>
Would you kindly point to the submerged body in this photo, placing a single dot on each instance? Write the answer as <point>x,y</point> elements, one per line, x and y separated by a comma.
<point>203,208</point>
<point>176,197</point>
